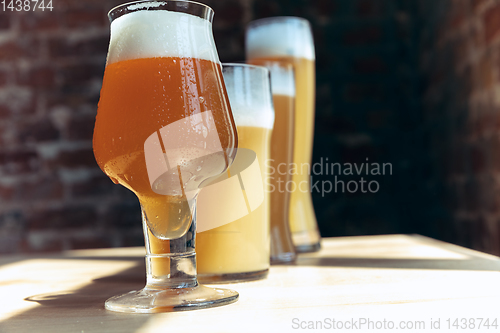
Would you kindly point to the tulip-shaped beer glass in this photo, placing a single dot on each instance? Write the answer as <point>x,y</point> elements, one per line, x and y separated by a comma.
<point>164,126</point>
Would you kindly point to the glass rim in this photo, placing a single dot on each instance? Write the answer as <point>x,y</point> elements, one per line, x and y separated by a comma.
<point>123,6</point>
<point>244,65</point>
<point>271,19</point>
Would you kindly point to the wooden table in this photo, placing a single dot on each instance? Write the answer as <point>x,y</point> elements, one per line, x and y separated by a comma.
<point>406,280</point>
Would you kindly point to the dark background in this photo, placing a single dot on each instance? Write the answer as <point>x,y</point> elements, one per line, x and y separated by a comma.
<point>414,83</point>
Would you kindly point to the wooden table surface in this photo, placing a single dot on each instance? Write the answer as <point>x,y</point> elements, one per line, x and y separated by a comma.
<point>406,280</point>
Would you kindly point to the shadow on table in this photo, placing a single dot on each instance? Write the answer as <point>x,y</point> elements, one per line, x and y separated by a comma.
<point>71,310</point>
<point>476,264</point>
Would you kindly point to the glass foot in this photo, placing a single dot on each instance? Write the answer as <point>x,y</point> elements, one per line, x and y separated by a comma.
<point>307,241</point>
<point>151,300</point>
<point>283,258</point>
<point>308,248</point>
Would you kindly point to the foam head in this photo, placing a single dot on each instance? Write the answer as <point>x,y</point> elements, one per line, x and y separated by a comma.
<point>149,30</point>
<point>278,37</point>
<point>249,94</point>
<point>282,78</point>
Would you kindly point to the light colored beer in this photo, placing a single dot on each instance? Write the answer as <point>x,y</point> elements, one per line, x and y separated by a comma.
<point>281,157</point>
<point>243,245</point>
<point>290,42</point>
<point>153,78</point>
<point>240,250</point>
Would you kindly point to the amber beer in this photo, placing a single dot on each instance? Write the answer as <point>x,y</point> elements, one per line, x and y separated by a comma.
<point>289,40</point>
<point>146,87</point>
<point>241,250</point>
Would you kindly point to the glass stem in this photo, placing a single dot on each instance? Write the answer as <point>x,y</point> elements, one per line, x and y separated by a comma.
<point>171,263</point>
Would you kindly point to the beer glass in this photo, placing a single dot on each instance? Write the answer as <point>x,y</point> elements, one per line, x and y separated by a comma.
<point>279,175</point>
<point>239,250</point>
<point>289,40</point>
<point>163,127</point>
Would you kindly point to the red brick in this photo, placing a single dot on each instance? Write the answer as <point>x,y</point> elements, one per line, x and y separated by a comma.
<point>5,112</point>
<point>81,128</point>
<point>133,239</point>
<point>5,19</point>
<point>458,15</point>
<point>367,35</point>
<point>491,21</point>
<point>40,21</point>
<point>62,218</point>
<point>71,99</point>
<point>124,216</point>
<point>6,193</point>
<point>96,242</point>
<point>82,72</point>
<point>476,4</point>
<point>15,162</point>
<point>75,158</point>
<point>472,195</point>
<point>63,47</point>
<point>23,47</point>
<point>38,131</point>
<point>477,159</point>
<point>95,187</point>
<point>43,245</point>
<point>29,106</point>
<point>47,187</point>
<point>229,12</point>
<point>86,17</point>
<point>485,73</point>
<point>39,76</point>
<point>494,155</point>
<point>4,76</point>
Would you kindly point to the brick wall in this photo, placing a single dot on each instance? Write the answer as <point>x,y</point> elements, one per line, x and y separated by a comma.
<point>460,96</point>
<point>411,83</point>
<point>53,196</point>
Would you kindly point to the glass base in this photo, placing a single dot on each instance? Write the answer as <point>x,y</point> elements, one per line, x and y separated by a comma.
<point>233,277</point>
<point>283,258</point>
<point>308,248</point>
<point>306,241</point>
<point>151,300</point>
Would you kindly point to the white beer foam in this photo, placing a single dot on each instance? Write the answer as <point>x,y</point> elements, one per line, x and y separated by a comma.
<point>160,33</point>
<point>279,36</point>
<point>253,118</point>
<point>249,95</point>
<point>282,79</point>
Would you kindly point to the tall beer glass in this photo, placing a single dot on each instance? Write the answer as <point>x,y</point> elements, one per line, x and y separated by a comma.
<point>289,40</point>
<point>279,177</point>
<point>239,250</point>
<point>163,127</point>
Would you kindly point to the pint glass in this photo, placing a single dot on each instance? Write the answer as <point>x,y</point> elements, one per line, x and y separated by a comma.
<point>289,40</point>
<point>163,127</point>
<point>239,250</point>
